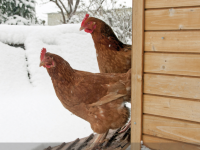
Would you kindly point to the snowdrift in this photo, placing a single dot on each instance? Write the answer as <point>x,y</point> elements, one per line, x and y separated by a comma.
<point>30,110</point>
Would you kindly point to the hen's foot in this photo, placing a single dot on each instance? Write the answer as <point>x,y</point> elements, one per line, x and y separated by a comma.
<point>124,128</point>
<point>99,139</point>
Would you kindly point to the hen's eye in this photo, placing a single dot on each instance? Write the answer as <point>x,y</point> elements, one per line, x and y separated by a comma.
<point>88,23</point>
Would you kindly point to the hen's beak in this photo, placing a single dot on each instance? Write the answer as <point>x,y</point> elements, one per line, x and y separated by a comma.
<point>42,63</point>
<point>81,28</point>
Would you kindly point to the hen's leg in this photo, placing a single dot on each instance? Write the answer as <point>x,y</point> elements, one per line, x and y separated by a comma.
<point>99,139</point>
<point>125,127</point>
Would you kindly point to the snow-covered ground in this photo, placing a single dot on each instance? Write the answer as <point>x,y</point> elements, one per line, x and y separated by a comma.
<point>30,110</point>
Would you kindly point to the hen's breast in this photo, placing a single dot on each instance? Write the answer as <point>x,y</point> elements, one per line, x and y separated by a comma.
<point>76,97</point>
<point>71,100</point>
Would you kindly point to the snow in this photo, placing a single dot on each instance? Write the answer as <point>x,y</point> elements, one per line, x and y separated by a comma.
<point>30,110</point>
<point>17,20</point>
<point>12,58</point>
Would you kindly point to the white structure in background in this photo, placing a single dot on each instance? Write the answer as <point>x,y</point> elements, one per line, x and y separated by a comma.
<point>56,18</point>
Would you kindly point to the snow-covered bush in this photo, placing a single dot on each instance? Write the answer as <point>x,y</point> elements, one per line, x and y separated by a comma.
<point>17,12</point>
<point>121,22</point>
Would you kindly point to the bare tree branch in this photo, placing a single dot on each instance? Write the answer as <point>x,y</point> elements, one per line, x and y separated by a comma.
<point>75,8</point>
<point>63,15</point>
<point>99,7</point>
<point>64,7</point>
<point>70,3</point>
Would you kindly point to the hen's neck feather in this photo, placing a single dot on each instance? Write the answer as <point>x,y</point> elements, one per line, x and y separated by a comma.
<point>62,71</point>
<point>104,31</point>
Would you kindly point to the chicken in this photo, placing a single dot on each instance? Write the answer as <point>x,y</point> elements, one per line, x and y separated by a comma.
<point>112,55</point>
<point>95,97</point>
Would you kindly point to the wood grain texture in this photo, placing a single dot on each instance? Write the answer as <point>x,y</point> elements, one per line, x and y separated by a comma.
<point>187,41</point>
<point>170,3</point>
<point>171,107</point>
<point>176,86</point>
<point>168,128</point>
<point>172,19</point>
<point>164,144</point>
<point>137,74</point>
<point>180,64</point>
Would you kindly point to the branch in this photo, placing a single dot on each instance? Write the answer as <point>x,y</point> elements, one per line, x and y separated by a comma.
<point>70,3</point>
<point>63,15</point>
<point>64,7</point>
<point>99,6</point>
<point>72,12</point>
<point>87,8</point>
<point>76,6</point>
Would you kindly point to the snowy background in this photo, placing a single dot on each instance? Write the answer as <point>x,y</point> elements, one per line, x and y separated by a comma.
<point>43,10</point>
<point>30,110</point>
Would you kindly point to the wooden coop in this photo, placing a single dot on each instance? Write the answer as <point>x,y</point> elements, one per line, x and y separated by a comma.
<point>166,74</point>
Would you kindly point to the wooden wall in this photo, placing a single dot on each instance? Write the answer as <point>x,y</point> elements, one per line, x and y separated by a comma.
<point>170,56</point>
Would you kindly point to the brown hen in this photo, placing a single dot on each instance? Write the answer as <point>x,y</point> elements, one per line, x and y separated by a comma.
<point>95,97</point>
<point>112,55</point>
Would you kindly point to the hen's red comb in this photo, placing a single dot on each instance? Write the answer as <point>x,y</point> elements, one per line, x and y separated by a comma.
<point>43,52</point>
<point>86,16</point>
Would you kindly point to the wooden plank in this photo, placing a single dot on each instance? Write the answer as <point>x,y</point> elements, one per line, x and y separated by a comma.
<point>72,144</point>
<point>187,41</point>
<point>137,73</point>
<point>164,144</point>
<point>176,86</point>
<point>170,3</point>
<point>168,128</point>
<point>61,146</point>
<point>48,148</point>
<point>172,19</point>
<point>180,64</point>
<point>84,143</point>
<point>172,107</point>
